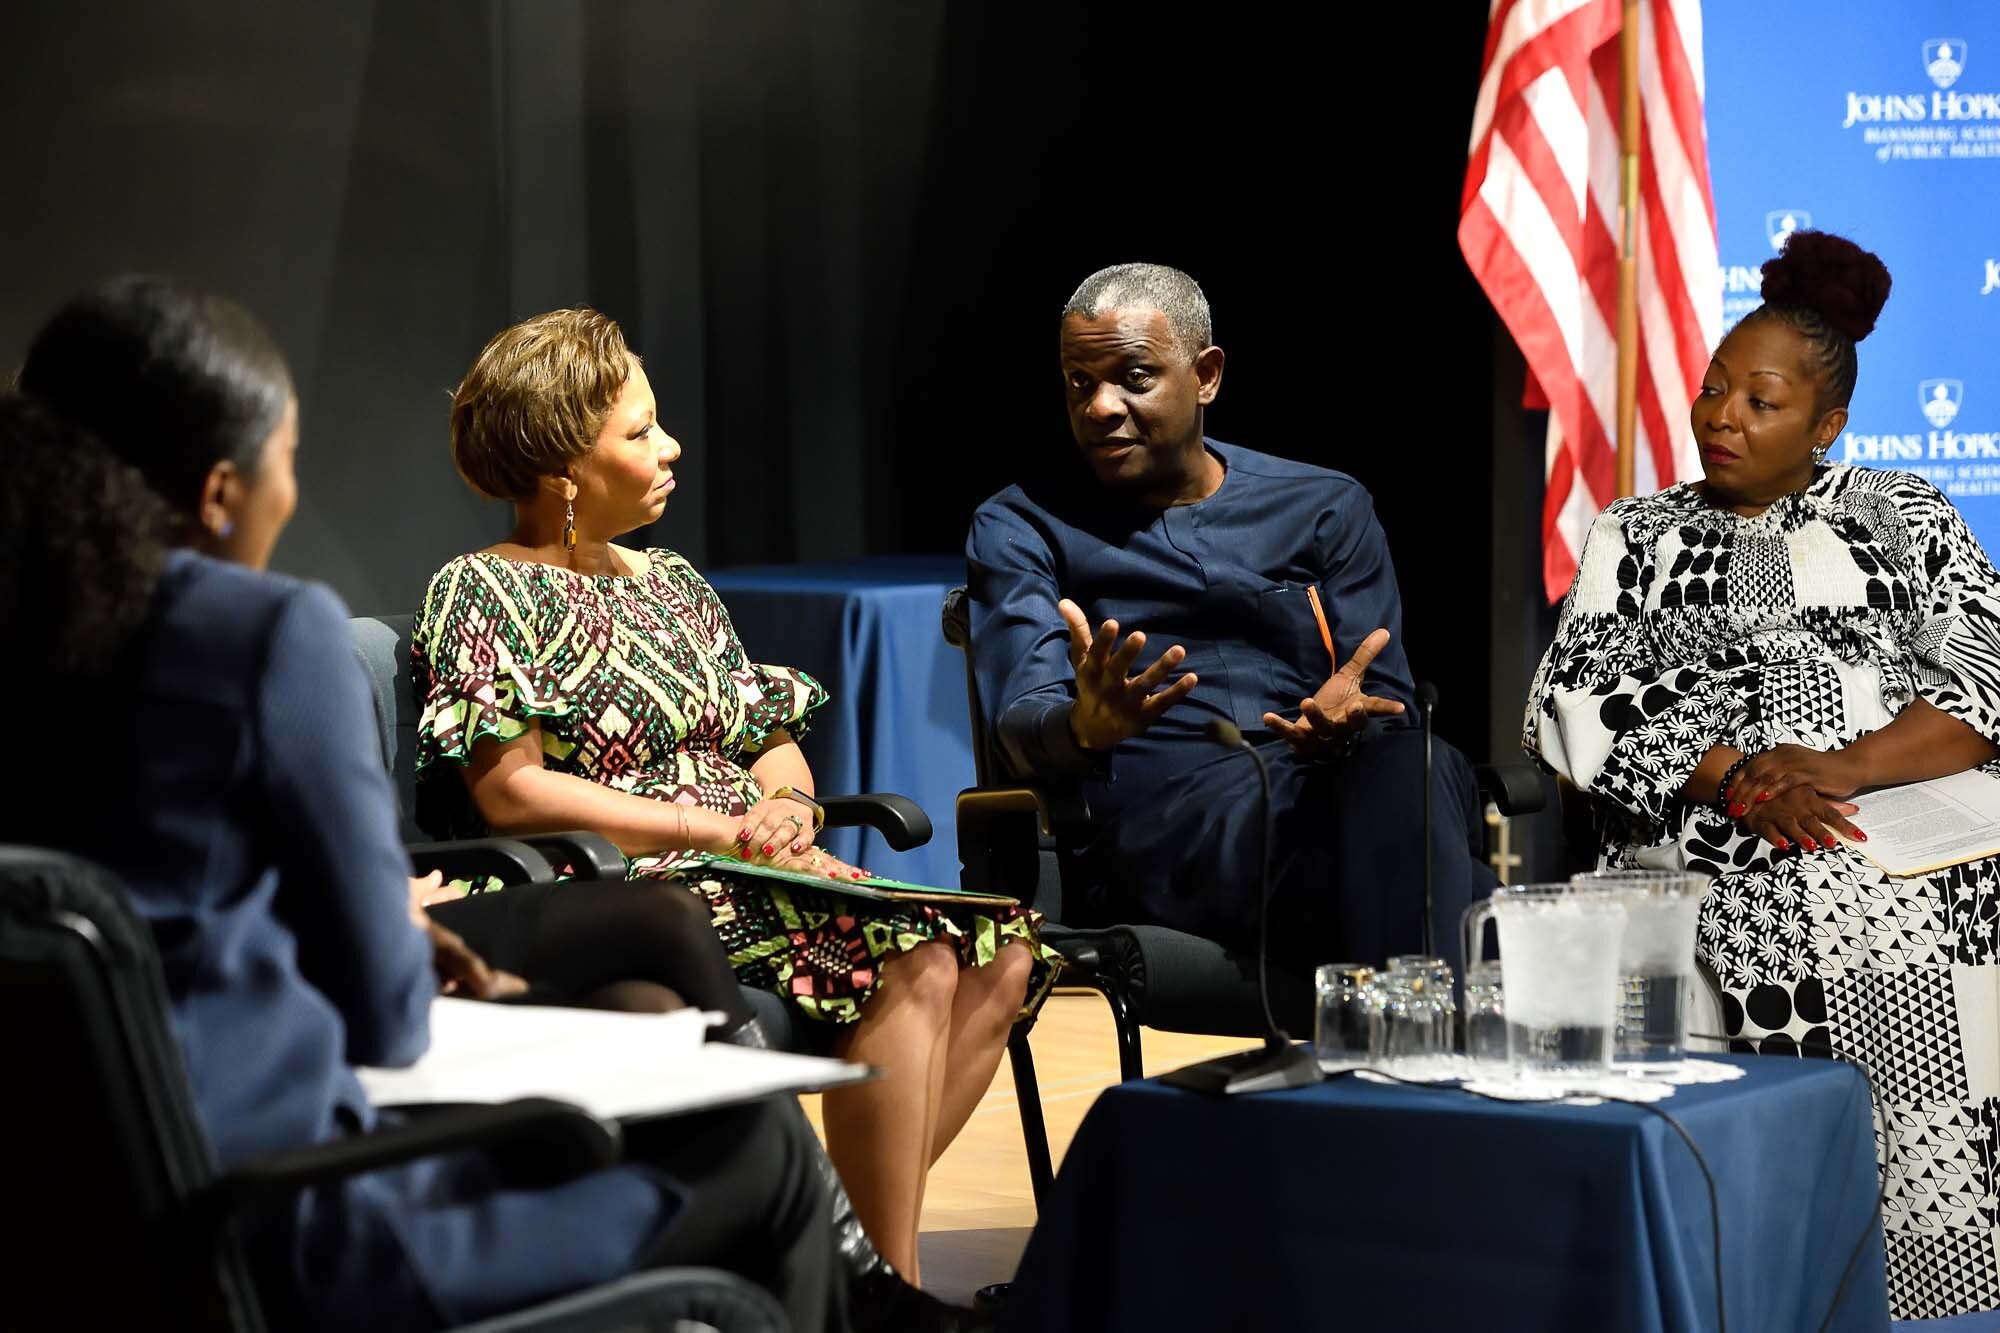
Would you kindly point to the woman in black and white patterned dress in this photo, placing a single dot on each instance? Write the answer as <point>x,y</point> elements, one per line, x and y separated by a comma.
<point>1740,653</point>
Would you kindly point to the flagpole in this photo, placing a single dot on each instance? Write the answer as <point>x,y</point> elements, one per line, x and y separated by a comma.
<point>1628,246</point>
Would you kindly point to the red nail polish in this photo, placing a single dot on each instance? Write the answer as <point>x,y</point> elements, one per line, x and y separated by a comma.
<point>1859,836</point>
<point>859,875</point>
<point>1809,844</point>
<point>1763,796</point>
<point>1784,846</point>
<point>743,835</point>
<point>768,849</point>
<point>1737,810</point>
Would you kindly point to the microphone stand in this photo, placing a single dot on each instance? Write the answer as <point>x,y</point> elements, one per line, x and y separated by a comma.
<point>1279,1062</point>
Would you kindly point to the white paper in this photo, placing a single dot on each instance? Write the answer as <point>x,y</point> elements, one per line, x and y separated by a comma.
<point>615,1066</point>
<point>1928,825</point>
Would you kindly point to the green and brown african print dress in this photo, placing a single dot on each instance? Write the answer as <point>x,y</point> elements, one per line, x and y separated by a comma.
<point>639,683</point>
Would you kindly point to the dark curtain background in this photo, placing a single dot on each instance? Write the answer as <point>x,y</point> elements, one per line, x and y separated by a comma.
<point>840,233</point>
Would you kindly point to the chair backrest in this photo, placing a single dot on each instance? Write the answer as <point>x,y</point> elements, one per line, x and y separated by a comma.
<point>107,1150</point>
<point>957,619</point>
<point>1000,863</point>
<point>382,644</point>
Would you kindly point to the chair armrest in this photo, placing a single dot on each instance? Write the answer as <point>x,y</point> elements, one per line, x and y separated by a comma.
<point>511,860</point>
<point>1083,953</point>
<point>1516,788</point>
<point>980,808</point>
<point>1057,812</point>
<point>660,1298</point>
<point>588,855</point>
<point>900,820</point>
<point>566,1137</point>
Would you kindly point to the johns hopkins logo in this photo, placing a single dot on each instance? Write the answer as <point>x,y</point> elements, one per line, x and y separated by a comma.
<point>1958,462</point>
<point>1779,226</point>
<point>1944,60</point>
<point>1941,400</point>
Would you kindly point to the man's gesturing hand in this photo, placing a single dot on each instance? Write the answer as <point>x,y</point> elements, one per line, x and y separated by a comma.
<point>1339,709</point>
<point>1112,704</point>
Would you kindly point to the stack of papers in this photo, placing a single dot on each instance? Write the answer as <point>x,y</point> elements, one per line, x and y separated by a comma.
<point>615,1066</point>
<point>1927,826</point>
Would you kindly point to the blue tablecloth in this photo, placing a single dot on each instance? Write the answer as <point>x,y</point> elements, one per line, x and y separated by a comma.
<point>1360,1206</point>
<point>869,631</point>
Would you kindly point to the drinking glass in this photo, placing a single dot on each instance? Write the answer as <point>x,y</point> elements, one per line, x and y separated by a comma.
<point>1403,1024</point>
<point>1432,977</point>
<point>1340,1022</point>
<point>1485,1014</point>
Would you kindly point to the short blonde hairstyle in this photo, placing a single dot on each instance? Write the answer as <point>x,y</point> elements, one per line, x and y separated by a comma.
<point>535,400</point>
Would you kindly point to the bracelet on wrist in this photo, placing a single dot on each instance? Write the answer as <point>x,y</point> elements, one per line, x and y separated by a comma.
<point>1728,776</point>
<point>794,794</point>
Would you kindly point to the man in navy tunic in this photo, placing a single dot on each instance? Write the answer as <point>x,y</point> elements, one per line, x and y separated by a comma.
<point>1271,584</point>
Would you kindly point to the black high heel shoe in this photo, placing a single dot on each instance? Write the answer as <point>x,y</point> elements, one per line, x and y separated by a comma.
<point>878,1299</point>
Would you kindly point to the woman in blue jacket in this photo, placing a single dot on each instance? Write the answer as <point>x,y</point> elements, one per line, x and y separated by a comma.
<point>206,735</point>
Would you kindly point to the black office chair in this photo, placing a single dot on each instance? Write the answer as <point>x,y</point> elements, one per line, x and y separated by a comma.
<point>122,1219</point>
<point>382,643</point>
<point>1011,839</point>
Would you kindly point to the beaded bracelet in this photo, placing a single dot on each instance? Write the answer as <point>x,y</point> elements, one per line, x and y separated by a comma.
<point>1728,776</point>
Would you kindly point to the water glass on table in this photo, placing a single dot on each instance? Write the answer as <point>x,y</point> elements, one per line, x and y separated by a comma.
<point>1432,976</point>
<point>1558,965</point>
<point>1485,1014</point>
<point>1340,1020</point>
<point>1406,1024</point>
<point>1655,960</point>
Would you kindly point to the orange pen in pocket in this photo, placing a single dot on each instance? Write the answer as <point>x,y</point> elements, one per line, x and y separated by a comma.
<point>1325,634</point>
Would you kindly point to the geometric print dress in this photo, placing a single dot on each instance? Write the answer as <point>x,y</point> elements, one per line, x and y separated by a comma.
<point>1812,624</point>
<point>640,683</point>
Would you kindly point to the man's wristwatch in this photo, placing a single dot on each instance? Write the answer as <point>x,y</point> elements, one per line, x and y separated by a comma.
<point>794,794</point>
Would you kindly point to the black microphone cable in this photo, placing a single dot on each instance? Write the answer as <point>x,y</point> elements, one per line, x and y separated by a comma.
<point>1427,698</point>
<point>1881,1171</point>
<point>1707,1175</point>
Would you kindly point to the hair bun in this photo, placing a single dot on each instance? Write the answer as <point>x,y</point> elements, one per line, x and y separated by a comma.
<point>1831,275</point>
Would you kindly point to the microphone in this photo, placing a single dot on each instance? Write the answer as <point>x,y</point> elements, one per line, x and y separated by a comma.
<point>1427,697</point>
<point>1278,1063</point>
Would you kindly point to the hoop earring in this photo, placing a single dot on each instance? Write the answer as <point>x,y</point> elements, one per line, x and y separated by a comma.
<point>569,523</point>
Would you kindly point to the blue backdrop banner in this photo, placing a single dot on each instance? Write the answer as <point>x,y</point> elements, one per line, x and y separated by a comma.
<point>1878,120</point>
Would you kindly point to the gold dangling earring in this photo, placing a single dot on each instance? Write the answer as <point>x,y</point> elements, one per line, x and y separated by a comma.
<point>569,523</point>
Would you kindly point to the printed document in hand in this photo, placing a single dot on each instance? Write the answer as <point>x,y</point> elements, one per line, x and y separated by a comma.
<point>1930,825</point>
<point>615,1066</point>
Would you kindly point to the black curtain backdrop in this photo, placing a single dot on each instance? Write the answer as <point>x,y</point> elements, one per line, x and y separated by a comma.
<point>840,233</point>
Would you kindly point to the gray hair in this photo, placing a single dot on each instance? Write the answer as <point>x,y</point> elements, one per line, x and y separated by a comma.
<point>1148,287</point>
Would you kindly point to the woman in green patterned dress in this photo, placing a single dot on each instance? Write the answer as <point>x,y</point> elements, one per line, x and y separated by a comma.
<point>574,683</point>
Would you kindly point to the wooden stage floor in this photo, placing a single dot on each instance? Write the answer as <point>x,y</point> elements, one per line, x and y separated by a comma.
<point>979,1208</point>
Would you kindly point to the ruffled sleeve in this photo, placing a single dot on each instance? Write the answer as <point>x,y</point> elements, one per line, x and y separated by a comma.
<point>1957,643</point>
<point>774,697</point>
<point>1603,712</point>
<point>482,667</point>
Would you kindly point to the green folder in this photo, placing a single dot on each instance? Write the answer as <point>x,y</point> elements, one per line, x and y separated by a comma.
<point>873,889</point>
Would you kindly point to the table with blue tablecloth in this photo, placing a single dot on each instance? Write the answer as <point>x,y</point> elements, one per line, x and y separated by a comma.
<point>896,722</point>
<point>1363,1206</point>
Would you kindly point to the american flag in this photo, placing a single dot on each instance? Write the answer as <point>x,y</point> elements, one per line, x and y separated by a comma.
<point>1539,221</point>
